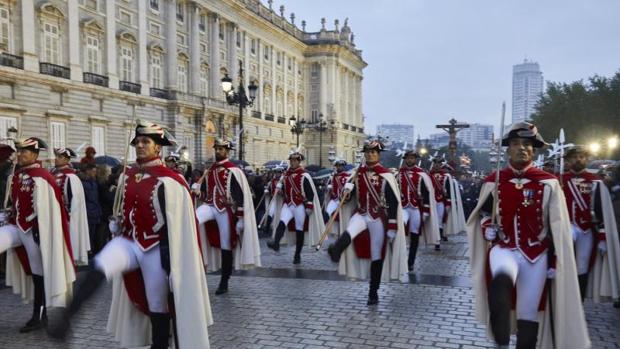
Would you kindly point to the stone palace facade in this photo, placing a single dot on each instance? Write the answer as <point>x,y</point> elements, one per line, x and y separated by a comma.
<point>75,71</point>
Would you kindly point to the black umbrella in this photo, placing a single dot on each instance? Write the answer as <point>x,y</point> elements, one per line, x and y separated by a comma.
<point>271,164</point>
<point>107,160</point>
<point>313,168</point>
<point>240,163</point>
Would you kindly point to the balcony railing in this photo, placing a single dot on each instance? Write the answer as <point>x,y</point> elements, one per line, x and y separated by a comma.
<point>345,126</point>
<point>269,117</point>
<point>10,60</point>
<point>255,114</point>
<point>281,120</point>
<point>186,97</point>
<point>159,93</point>
<point>96,79</point>
<point>55,70</point>
<point>129,87</point>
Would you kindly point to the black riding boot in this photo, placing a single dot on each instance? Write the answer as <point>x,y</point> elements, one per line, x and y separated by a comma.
<point>227,261</point>
<point>527,334</point>
<point>82,292</point>
<point>499,307</point>
<point>413,249</point>
<point>275,243</point>
<point>161,330</point>
<point>583,285</point>
<point>443,235</point>
<point>336,249</point>
<point>375,281</point>
<point>299,245</point>
<point>39,316</point>
<point>267,226</point>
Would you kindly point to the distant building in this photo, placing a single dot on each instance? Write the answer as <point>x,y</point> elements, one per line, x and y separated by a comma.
<point>478,136</point>
<point>438,140</point>
<point>527,88</point>
<point>398,133</point>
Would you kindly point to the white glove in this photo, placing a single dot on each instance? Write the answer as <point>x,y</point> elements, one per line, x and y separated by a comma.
<point>602,247</point>
<point>266,191</point>
<point>309,211</point>
<point>425,215</point>
<point>279,185</point>
<point>391,234</point>
<point>490,233</point>
<point>196,188</point>
<point>576,231</point>
<point>329,186</point>
<point>349,186</point>
<point>551,273</point>
<point>239,226</point>
<point>114,227</point>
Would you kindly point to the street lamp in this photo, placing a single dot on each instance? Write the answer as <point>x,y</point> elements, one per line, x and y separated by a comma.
<point>595,147</point>
<point>321,126</point>
<point>297,128</point>
<point>239,98</point>
<point>612,142</point>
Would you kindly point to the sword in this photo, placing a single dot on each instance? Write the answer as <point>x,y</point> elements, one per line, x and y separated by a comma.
<point>494,222</point>
<point>562,140</point>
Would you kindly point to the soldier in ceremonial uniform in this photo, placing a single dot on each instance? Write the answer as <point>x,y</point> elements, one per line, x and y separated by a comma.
<point>417,195</point>
<point>75,203</point>
<point>228,212</point>
<point>300,206</point>
<point>154,261</point>
<point>453,217</point>
<point>528,252</point>
<point>36,236</point>
<point>442,193</point>
<point>335,187</point>
<point>271,193</point>
<point>376,228</point>
<point>594,228</point>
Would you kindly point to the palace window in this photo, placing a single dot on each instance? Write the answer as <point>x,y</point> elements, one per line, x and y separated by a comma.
<point>204,81</point>
<point>127,58</point>
<point>98,139</point>
<point>57,134</point>
<point>156,69</point>
<point>180,12</point>
<point>222,29</point>
<point>239,39</point>
<point>155,5</point>
<point>5,28</point>
<point>182,76</point>
<point>5,124</point>
<point>93,57</point>
<point>253,46</point>
<point>203,23</point>
<point>51,43</point>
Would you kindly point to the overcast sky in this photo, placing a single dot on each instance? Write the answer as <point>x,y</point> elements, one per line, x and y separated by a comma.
<point>431,60</point>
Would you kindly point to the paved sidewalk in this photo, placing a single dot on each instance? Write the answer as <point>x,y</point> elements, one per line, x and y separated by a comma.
<point>312,307</point>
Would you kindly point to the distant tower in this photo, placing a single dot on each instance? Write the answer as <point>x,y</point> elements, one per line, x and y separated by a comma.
<point>527,87</point>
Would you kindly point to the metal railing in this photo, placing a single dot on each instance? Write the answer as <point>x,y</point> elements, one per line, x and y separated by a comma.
<point>129,87</point>
<point>96,79</point>
<point>55,70</point>
<point>281,120</point>
<point>13,61</point>
<point>255,114</point>
<point>269,117</point>
<point>159,93</point>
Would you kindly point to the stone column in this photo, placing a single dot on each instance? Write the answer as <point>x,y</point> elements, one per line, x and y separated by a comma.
<point>231,47</point>
<point>274,82</point>
<point>215,90</point>
<point>323,90</point>
<point>110,35</point>
<point>194,48</point>
<point>171,45</point>
<point>74,40</point>
<point>284,65</point>
<point>295,91</point>
<point>261,79</point>
<point>143,66</point>
<point>31,59</point>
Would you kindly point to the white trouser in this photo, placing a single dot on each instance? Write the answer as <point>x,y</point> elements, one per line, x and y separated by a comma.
<point>583,250</point>
<point>296,211</point>
<point>11,236</point>
<point>440,211</point>
<point>207,213</point>
<point>272,207</point>
<point>412,216</point>
<point>332,205</point>
<point>358,223</point>
<point>121,255</point>
<point>529,278</point>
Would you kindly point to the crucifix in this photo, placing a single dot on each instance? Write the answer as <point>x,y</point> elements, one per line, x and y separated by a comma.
<point>452,128</point>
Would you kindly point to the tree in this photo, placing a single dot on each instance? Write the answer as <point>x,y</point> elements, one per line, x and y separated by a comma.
<point>588,112</point>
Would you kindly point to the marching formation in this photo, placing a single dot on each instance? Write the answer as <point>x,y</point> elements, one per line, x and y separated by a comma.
<point>539,242</point>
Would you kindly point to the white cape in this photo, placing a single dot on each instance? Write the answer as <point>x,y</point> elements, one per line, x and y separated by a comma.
<point>247,252</point>
<point>78,220</point>
<point>58,270</point>
<point>570,330</point>
<point>188,282</point>
<point>430,224</point>
<point>604,278</point>
<point>455,222</point>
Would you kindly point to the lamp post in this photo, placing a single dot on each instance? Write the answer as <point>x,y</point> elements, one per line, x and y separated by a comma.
<point>321,126</point>
<point>297,128</point>
<point>239,98</point>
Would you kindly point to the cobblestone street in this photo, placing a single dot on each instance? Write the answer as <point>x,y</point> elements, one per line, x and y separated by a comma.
<point>311,306</point>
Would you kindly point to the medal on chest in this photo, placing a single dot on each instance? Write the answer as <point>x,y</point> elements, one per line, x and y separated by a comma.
<point>139,176</point>
<point>528,196</point>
